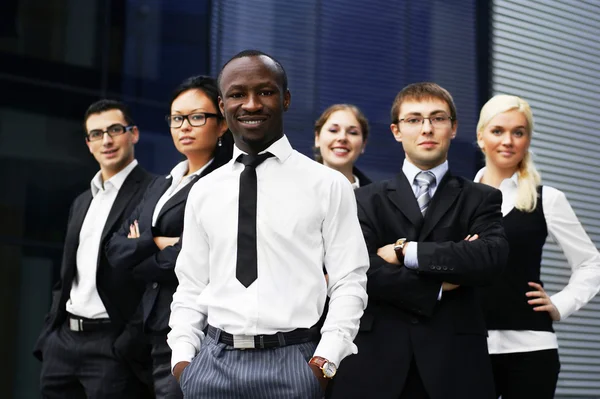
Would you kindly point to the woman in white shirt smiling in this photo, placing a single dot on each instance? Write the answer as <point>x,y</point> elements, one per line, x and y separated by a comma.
<point>519,312</point>
<point>341,134</point>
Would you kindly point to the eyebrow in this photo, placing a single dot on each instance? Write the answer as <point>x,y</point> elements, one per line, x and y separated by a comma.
<point>192,111</point>
<point>516,127</point>
<point>438,111</point>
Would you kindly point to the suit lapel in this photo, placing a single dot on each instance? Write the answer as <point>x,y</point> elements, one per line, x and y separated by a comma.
<point>72,238</point>
<point>127,190</point>
<point>443,199</point>
<point>178,198</point>
<point>401,194</point>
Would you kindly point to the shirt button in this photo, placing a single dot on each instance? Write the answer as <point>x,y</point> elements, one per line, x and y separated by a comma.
<point>154,285</point>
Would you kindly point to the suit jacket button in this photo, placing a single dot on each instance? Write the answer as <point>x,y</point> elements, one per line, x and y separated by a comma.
<point>439,268</point>
<point>432,267</point>
<point>445,268</point>
<point>154,285</point>
<point>414,320</point>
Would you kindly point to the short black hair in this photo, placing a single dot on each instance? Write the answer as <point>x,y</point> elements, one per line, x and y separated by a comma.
<point>205,84</point>
<point>257,53</point>
<point>107,105</point>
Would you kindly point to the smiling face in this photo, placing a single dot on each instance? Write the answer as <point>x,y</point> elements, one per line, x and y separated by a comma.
<point>340,140</point>
<point>505,140</point>
<point>253,101</point>
<point>112,153</point>
<point>425,146</point>
<point>190,139</point>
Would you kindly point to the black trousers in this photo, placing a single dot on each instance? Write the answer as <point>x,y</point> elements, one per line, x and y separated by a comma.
<point>83,365</point>
<point>526,375</point>
<point>413,386</point>
<point>165,384</point>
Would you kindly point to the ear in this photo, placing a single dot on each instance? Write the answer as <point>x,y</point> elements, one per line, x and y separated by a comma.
<point>396,132</point>
<point>89,146</point>
<point>287,98</point>
<point>362,150</point>
<point>480,141</point>
<point>135,135</point>
<point>454,129</point>
<point>222,127</point>
<point>221,105</point>
<point>317,139</point>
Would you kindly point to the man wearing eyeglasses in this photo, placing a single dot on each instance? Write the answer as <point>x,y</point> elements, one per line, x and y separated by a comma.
<point>85,347</point>
<point>432,238</point>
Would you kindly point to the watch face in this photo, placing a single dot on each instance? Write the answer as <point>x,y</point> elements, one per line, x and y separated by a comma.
<point>329,369</point>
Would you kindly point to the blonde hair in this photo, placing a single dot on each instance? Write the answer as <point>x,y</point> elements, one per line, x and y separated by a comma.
<point>529,177</point>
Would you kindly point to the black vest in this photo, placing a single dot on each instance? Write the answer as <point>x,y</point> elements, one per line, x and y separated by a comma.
<point>505,303</point>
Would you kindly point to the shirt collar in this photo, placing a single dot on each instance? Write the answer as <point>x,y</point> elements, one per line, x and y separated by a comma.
<point>281,149</point>
<point>116,181</point>
<point>356,183</point>
<point>411,171</point>
<point>182,167</point>
<point>513,180</point>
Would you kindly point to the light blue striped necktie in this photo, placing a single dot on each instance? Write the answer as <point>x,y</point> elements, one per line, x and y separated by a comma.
<point>424,180</point>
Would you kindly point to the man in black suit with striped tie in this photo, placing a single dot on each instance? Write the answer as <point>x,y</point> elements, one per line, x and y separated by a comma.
<point>423,334</point>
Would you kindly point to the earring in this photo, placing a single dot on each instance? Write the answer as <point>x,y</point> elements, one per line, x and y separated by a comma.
<point>219,143</point>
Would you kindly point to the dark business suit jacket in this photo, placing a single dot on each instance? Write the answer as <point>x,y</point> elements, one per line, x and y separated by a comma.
<point>155,268</point>
<point>404,319</point>
<point>119,291</point>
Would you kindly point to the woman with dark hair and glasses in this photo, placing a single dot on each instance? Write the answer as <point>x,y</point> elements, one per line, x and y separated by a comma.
<point>149,242</point>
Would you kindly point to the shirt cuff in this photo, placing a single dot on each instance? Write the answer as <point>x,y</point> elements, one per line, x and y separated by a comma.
<point>410,258</point>
<point>182,352</point>
<point>564,304</point>
<point>334,347</point>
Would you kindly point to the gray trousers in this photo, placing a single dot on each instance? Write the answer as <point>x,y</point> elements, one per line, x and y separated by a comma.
<point>221,372</point>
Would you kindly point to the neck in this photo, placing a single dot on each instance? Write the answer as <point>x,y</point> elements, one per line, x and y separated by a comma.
<point>493,175</point>
<point>197,161</point>
<point>254,147</point>
<point>108,173</point>
<point>346,170</point>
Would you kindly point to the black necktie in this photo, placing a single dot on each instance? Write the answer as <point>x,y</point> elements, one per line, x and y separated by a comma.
<point>246,269</point>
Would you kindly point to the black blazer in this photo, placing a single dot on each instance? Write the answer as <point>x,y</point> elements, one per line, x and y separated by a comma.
<point>362,178</point>
<point>404,319</point>
<point>119,291</point>
<point>153,267</point>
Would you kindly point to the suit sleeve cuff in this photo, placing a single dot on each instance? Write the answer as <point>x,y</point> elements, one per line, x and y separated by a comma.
<point>410,258</point>
<point>182,352</point>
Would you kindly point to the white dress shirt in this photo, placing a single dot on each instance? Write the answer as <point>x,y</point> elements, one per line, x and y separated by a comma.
<point>411,171</point>
<point>84,299</point>
<point>356,183</point>
<point>178,181</point>
<point>306,218</point>
<point>581,254</point>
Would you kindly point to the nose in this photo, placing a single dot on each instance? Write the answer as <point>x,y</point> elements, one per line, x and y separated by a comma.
<point>507,139</point>
<point>426,128</point>
<point>107,139</point>
<point>252,103</point>
<point>185,126</point>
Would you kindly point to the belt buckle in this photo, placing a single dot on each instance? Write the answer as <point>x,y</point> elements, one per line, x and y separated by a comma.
<point>243,342</point>
<point>75,324</point>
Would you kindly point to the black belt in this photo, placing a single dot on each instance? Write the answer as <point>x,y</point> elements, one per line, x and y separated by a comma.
<point>294,337</point>
<point>76,323</point>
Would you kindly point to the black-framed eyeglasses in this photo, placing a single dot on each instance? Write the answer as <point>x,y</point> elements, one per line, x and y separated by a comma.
<point>196,119</point>
<point>416,121</point>
<point>113,130</point>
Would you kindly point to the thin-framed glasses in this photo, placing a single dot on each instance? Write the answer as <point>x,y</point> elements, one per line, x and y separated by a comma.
<point>196,119</point>
<point>113,130</point>
<point>417,121</point>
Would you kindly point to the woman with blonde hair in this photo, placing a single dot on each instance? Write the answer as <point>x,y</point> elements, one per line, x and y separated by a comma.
<point>341,134</point>
<point>519,312</point>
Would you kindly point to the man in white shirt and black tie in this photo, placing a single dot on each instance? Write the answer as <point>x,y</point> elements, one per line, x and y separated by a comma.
<point>257,234</point>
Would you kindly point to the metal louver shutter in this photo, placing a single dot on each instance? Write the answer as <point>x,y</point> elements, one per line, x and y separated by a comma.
<point>548,52</point>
